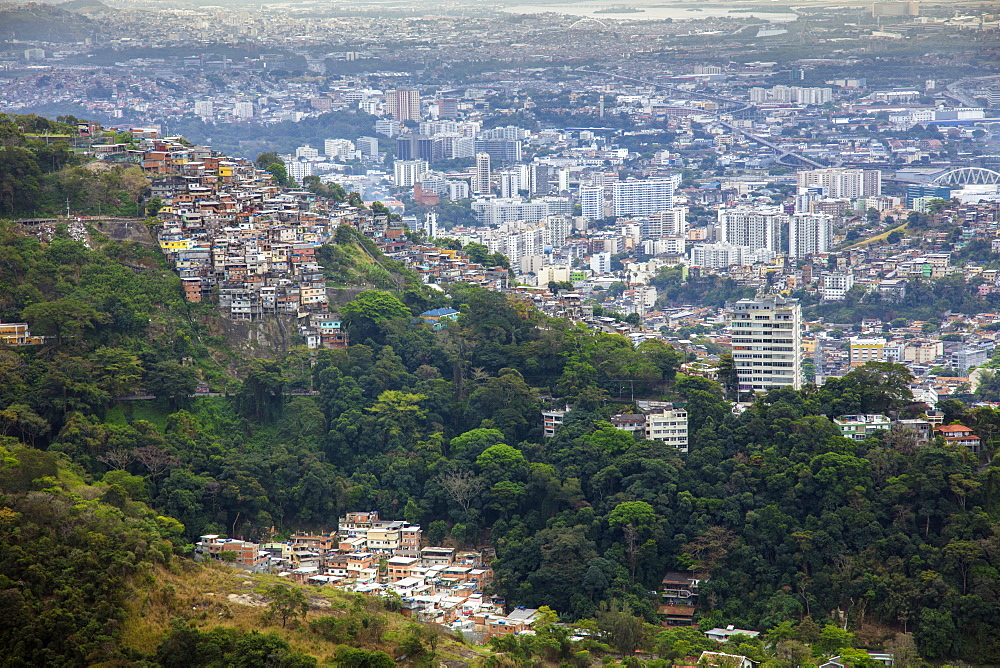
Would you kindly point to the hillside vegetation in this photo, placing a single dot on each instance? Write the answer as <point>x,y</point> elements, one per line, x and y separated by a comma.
<point>90,577</point>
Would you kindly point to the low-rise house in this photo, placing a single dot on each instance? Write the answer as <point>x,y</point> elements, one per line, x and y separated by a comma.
<point>722,635</point>
<point>860,427</point>
<point>958,434</point>
<point>678,597</point>
<point>724,660</point>
<point>552,420</point>
<point>634,423</point>
<point>439,318</point>
<point>440,557</point>
<point>518,621</point>
<point>319,542</point>
<point>17,334</point>
<point>401,568</point>
<point>240,553</point>
<point>885,659</point>
<point>921,429</point>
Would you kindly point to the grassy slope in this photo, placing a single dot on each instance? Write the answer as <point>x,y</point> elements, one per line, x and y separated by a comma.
<point>200,593</point>
<point>878,237</point>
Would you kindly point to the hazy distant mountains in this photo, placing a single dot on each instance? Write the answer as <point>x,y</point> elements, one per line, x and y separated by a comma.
<point>49,23</point>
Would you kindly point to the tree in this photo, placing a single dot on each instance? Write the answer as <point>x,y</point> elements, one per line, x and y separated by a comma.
<point>118,371</point>
<point>623,630</point>
<point>399,414</point>
<point>501,457</point>
<point>352,657</point>
<point>287,603</point>
<point>171,380</point>
<point>155,459</point>
<point>962,556</point>
<point>29,424</point>
<point>728,377</point>
<point>707,552</point>
<point>20,179</point>
<point>461,485</point>
<point>153,207</point>
<point>62,318</point>
<point>370,309</point>
<point>833,639</point>
<point>638,514</point>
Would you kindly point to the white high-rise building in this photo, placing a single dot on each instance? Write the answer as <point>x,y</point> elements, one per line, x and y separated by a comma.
<point>674,221</point>
<point>767,340</point>
<point>481,177</point>
<point>810,234</point>
<point>842,183</point>
<point>387,126</point>
<point>722,255</point>
<point>204,108</point>
<point>559,227</point>
<point>755,227</point>
<point>307,152</point>
<point>408,172</point>
<point>497,211</point>
<point>792,94</point>
<point>592,202</point>
<point>368,146</point>
<point>642,198</point>
<point>243,110</point>
<point>463,147</point>
<point>298,169</point>
<point>600,263</point>
<point>339,148</point>
<point>523,176</point>
<point>404,104</point>
<point>510,183</point>
<point>458,190</point>
<point>430,225</point>
<point>834,285</point>
<point>669,223</point>
<point>562,178</point>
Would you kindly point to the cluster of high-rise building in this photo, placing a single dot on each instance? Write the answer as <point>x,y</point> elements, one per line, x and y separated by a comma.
<point>792,94</point>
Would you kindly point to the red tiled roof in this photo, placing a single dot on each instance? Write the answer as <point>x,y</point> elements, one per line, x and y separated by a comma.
<point>952,428</point>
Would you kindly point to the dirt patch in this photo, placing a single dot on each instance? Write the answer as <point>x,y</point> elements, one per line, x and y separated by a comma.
<point>253,600</point>
<point>317,603</point>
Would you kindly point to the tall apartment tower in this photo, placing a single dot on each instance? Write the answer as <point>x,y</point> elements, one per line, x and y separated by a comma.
<point>842,183</point>
<point>406,173</point>
<point>754,227</point>
<point>430,225</point>
<point>592,202</point>
<point>643,198</point>
<point>810,234</point>
<point>481,177</point>
<point>404,103</point>
<point>510,183</point>
<point>767,340</point>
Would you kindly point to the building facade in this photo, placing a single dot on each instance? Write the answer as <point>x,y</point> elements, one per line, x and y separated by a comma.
<point>767,340</point>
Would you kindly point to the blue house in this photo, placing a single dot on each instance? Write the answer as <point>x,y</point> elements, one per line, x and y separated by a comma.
<point>439,317</point>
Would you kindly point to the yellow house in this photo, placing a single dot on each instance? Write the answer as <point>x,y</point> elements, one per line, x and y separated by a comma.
<point>176,245</point>
<point>17,334</point>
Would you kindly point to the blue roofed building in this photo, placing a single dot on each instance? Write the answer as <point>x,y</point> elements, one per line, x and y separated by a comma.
<point>439,317</point>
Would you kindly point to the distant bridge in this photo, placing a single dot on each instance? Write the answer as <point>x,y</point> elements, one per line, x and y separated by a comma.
<point>968,176</point>
<point>587,19</point>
